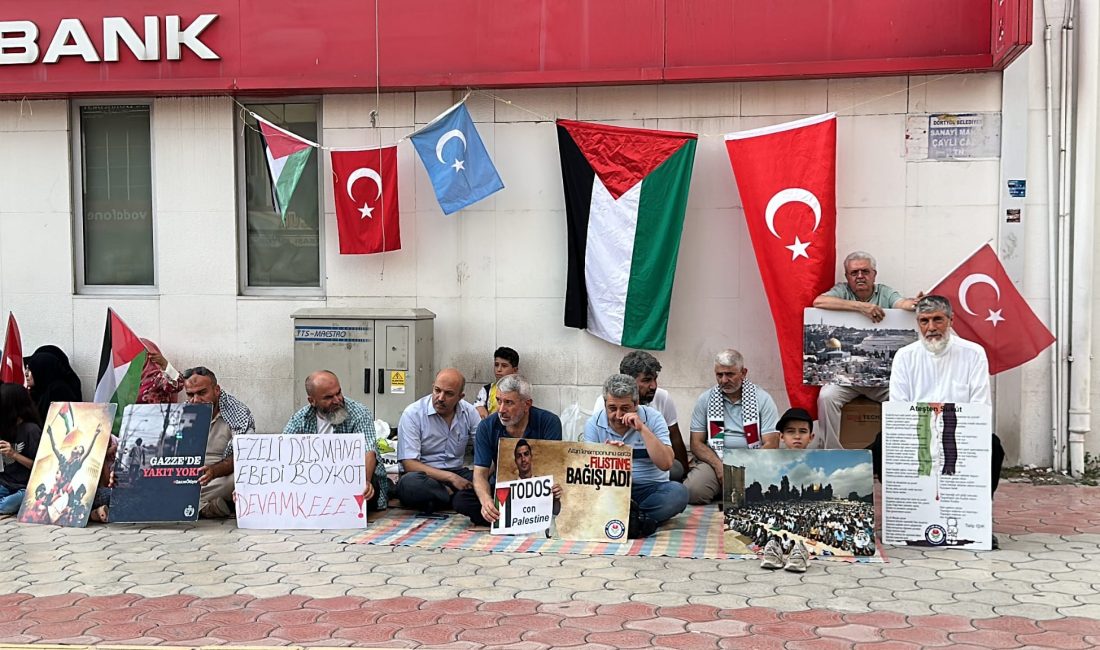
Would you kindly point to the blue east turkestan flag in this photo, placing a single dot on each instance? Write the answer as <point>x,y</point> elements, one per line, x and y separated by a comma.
<point>456,160</point>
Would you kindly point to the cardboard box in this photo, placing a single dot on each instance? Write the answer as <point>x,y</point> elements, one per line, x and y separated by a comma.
<point>860,422</point>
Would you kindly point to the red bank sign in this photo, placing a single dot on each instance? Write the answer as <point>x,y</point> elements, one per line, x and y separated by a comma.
<point>77,47</point>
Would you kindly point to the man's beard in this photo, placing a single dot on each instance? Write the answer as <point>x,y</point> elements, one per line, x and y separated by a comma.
<point>936,346</point>
<point>336,416</point>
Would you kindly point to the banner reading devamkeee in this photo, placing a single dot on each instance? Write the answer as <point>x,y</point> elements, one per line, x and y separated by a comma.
<point>594,479</point>
<point>304,481</point>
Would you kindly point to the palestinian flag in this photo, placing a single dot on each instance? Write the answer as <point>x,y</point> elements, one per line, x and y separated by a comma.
<point>120,365</point>
<point>65,413</point>
<point>625,194</point>
<point>287,155</point>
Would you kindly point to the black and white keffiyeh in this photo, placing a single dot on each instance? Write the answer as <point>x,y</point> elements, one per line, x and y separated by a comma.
<point>716,417</point>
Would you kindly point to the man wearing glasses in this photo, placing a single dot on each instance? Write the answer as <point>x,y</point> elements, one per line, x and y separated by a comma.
<point>229,418</point>
<point>859,292</point>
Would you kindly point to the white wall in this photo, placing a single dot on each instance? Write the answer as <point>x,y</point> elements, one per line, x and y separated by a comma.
<point>494,274</point>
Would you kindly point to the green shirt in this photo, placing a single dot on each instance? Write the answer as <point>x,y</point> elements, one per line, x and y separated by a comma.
<point>883,296</point>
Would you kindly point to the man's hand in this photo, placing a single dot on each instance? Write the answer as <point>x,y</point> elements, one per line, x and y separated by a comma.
<point>872,311</point>
<point>458,483</point>
<point>207,475</point>
<point>616,443</point>
<point>556,491</point>
<point>368,492</point>
<point>158,359</point>
<point>489,511</point>
<point>6,450</point>
<point>632,420</point>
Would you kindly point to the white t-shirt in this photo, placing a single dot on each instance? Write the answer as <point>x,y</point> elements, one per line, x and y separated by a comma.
<point>662,402</point>
<point>323,425</point>
<point>958,375</point>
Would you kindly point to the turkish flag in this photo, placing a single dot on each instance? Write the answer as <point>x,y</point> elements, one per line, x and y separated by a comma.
<point>989,311</point>
<point>786,175</point>
<point>11,363</point>
<point>364,188</point>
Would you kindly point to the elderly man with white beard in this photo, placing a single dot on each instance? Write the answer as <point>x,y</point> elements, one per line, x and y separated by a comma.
<point>941,367</point>
<point>330,412</point>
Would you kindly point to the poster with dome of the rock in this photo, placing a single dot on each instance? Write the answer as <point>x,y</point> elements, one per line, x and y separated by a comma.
<point>847,348</point>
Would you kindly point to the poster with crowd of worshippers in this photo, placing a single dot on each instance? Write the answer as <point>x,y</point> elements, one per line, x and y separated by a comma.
<point>594,479</point>
<point>300,481</point>
<point>848,349</point>
<point>936,475</point>
<point>69,464</point>
<point>162,450</point>
<point>825,498</point>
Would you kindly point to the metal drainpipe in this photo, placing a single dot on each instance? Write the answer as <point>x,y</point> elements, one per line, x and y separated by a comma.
<point>1083,229</point>
<point>1058,459</point>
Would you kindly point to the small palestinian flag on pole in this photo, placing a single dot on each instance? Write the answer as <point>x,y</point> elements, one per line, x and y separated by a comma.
<point>287,155</point>
<point>625,196</point>
<point>120,365</point>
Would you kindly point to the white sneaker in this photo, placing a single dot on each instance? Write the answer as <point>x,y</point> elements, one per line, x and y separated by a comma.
<point>773,555</point>
<point>799,559</point>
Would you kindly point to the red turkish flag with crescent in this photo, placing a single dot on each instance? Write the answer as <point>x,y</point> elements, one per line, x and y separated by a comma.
<point>11,363</point>
<point>364,188</point>
<point>989,311</point>
<point>786,175</point>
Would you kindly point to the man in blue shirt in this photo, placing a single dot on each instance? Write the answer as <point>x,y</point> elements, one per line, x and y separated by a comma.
<point>431,445</point>
<point>625,423</point>
<point>516,418</point>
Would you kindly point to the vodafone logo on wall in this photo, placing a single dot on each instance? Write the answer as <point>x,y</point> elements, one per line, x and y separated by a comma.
<point>24,42</point>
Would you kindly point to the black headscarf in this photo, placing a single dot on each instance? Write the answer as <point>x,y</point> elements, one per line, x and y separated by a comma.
<point>68,374</point>
<point>49,382</point>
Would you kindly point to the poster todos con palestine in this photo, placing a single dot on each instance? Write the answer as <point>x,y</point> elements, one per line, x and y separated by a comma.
<point>594,479</point>
<point>68,465</point>
<point>162,450</point>
<point>936,475</point>
<point>304,481</point>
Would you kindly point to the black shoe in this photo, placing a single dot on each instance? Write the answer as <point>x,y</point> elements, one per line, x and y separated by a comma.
<point>996,543</point>
<point>640,525</point>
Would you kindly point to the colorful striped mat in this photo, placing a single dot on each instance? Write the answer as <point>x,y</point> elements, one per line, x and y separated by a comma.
<point>696,533</point>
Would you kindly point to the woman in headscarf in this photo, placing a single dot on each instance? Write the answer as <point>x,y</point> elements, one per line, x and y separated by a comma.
<point>67,372</point>
<point>157,384</point>
<point>47,382</point>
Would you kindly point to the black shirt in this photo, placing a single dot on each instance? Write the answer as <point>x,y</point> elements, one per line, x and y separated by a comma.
<point>25,441</point>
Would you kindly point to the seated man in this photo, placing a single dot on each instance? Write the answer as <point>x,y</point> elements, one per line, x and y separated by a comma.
<point>733,414</point>
<point>516,418</point>
<point>858,292</point>
<point>644,367</point>
<point>941,367</point>
<point>431,445</point>
<point>505,362</point>
<point>230,417</point>
<point>330,412</point>
<point>796,429</point>
<point>626,423</point>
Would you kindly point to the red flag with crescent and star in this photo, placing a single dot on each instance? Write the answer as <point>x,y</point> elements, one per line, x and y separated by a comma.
<point>786,176</point>
<point>11,363</point>
<point>989,310</point>
<point>364,188</point>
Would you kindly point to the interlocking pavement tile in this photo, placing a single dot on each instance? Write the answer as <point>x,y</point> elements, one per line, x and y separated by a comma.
<point>757,642</point>
<point>569,609</point>
<point>99,602</point>
<point>14,628</point>
<point>395,604</point>
<point>1014,624</point>
<point>690,613</point>
<point>429,635</point>
<point>289,617</point>
<point>879,620</point>
<point>412,619</point>
<point>53,631</point>
<point>180,632</point>
<point>786,630</point>
<point>721,628</point>
<point>523,645</point>
<point>493,636</point>
<point>622,639</point>
<point>334,604</point>
<point>451,605</point>
<point>658,626</point>
<point>11,600</point>
<point>597,623</point>
<point>57,614</point>
<point>116,631</point>
<point>350,617</point>
<point>926,636</point>
<point>851,632</point>
<point>532,621</point>
<point>221,603</point>
<point>1050,639</point>
<point>820,644</point>
<point>278,603</point>
<point>306,632</point>
<point>687,641</point>
<point>943,622</point>
<point>753,615</point>
<point>815,617</point>
<point>1073,625</point>
<point>254,631</point>
<point>470,620</point>
<point>59,600</point>
<point>515,606</point>
<point>888,645</point>
<point>557,637</point>
<point>629,610</point>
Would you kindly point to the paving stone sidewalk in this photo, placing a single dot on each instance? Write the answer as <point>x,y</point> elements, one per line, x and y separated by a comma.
<point>211,583</point>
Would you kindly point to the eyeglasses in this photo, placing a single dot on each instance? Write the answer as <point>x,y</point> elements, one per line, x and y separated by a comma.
<point>858,272</point>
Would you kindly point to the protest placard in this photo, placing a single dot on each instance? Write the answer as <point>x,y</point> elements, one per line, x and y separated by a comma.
<point>594,479</point>
<point>304,481</point>
<point>162,449</point>
<point>525,505</point>
<point>936,475</point>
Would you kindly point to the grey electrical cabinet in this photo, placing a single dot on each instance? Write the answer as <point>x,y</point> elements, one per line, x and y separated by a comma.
<point>383,357</point>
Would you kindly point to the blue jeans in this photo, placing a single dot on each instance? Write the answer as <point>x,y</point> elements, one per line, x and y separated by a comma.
<point>660,501</point>
<point>10,500</point>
